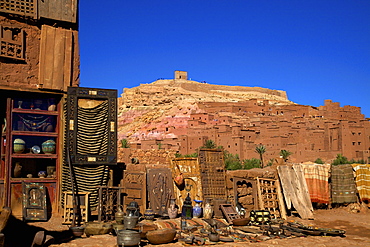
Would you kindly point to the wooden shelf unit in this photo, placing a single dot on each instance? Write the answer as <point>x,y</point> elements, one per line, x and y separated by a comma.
<point>33,126</point>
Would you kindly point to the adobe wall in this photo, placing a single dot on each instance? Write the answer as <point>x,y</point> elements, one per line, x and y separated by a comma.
<point>22,74</point>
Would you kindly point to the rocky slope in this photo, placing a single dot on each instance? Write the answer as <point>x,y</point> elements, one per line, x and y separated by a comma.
<point>149,110</point>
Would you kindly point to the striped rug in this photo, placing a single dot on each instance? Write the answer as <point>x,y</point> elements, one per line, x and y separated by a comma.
<point>362,173</point>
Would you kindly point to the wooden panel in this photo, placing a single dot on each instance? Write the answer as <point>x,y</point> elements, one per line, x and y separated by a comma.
<point>56,58</point>
<point>212,173</point>
<point>34,202</point>
<point>134,186</point>
<point>62,10</point>
<point>293,192</point>
<point>229,212</point>
<point>17,196</point>
<point>245,193</point>
<point>189,167</point>
<point>269,195</point>
<point>160,188</point>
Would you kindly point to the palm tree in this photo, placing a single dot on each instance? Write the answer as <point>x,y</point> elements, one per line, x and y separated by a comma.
<point>285,154</point>
<point>210,144</point>
<point>261,149</point>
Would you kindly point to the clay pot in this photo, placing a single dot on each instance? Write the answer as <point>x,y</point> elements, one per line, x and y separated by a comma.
<point>162,236</point>
<point>149,214</point>
<point>48,147</point>
<point>19,145</point>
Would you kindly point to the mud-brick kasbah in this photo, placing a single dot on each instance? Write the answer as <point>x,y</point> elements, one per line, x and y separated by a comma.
<point>40,63</point>
<point>179,115</point>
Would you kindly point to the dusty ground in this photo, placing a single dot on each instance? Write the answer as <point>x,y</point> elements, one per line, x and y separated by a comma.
<point>356,225</point>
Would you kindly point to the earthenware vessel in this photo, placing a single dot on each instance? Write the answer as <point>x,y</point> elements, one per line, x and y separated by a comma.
<point>208,210</point>
<point>149,213</point>
<point>19,145</point>
<point>172,209</point>
<point>48,147</point>
<point>161,236</point>
<point>197,209</point>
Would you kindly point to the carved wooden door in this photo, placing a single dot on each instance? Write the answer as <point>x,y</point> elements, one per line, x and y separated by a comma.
<point>160,189</point>
<point>134,185</point>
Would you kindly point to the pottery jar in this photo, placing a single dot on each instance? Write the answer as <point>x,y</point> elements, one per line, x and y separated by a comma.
<point>149,214</point>
<point>208,210</point>
<point>197,209</point>
<point>48,147</point>
<point>19,145</point>
<point>172,210</point>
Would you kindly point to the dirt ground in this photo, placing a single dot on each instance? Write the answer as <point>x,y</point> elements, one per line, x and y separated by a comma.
<point>356,225</point>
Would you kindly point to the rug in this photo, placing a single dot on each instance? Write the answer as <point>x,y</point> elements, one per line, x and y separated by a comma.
<point>343,186</point>
<point>317,179</point>
<point>362,173</point>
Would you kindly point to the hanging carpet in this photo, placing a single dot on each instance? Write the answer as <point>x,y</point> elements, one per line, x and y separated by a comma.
<point>343,187</point>
<point>362,172</point>
<point>317,179</point>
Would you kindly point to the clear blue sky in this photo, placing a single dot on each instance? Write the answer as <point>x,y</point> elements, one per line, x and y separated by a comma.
<point>312,49</point>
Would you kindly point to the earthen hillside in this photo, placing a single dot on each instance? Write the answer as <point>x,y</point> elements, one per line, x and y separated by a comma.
<point>168,103</point>
<point>181,114</point>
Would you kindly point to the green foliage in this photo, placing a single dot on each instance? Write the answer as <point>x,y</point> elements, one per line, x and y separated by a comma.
<point>352,161</point>
<point>193,155</point>
<point>339,160</point>
<point>261,149</point>
<point>251,163</point>
<point>124,143</point>
<point>232,162</point>
<point>159,145</point>
<point>319,161</point>
<point>270,162</point>
<point>210,144</point>
<point>285,154</point>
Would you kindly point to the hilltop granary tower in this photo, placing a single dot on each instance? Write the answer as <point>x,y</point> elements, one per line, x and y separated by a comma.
<point>39,60</point>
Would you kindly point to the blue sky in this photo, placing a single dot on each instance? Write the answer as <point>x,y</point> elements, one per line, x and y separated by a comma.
<point>314,50</point>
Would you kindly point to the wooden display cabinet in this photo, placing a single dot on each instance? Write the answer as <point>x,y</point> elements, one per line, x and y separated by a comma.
<point>30,148</point>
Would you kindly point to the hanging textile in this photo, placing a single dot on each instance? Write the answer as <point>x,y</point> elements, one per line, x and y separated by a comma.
<point>92,132</point>
<point>317,179</point>
<point>343,187</point>
<point>87,179</point>
<point>362,172</point>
